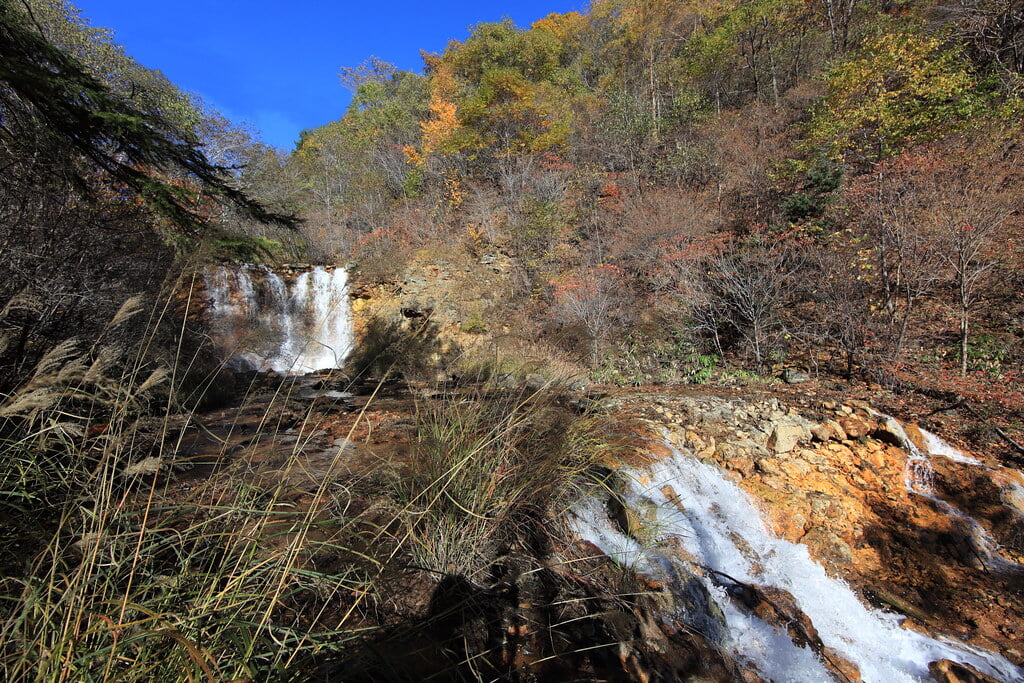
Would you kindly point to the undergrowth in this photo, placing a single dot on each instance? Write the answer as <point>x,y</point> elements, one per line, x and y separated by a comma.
<point>129,559</point>
<point>486,466</point>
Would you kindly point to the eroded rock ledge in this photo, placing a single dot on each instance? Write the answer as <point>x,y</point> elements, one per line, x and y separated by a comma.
<point>832,476</point>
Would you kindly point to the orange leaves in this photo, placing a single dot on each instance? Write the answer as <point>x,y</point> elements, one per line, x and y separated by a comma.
<point>438,130</point>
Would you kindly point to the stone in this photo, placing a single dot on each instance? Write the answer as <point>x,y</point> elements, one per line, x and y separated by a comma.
<point>535,382</point>
<point>579,385</point>
<point>504,380</point>
<point>890,431</point>
<point>791,376</point>
<point>854,427</point>
<point>821,432</point>
<point>837,430</point>
<point>829,546</point>
<point>785,436</point>
<point>948,671</point>
<point>838,664</point>
<point>795,468</point>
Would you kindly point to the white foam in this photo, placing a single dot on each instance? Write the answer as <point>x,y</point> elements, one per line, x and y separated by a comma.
<point>937,446</point>
<point>722,529</point>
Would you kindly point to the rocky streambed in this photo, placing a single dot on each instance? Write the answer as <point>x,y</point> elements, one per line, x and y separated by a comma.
<point>739,536</point>
<point>827,541</point>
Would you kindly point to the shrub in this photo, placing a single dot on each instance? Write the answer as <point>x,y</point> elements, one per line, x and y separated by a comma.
<point>484,467</point>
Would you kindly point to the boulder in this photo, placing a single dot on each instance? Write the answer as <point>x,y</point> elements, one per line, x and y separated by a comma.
<point>821,432</point>
<point>785,436</point>
<point>535,382</point>
<point>779,608</point>
<point>579,385</point>
<point>791,376</point>
<point>854,427</point>
<point>948,671</point>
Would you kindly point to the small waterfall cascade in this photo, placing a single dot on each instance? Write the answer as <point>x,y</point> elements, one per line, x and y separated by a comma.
<point>919,479</point>
<point>919,476</point>
<point>264,320</point>
<point>937,446</point>
<point>694,512</point>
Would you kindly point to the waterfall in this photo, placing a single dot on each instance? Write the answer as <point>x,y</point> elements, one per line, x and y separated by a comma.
<point>692,505</point>
<point>263,320</point>
<point>937,446</point>
<point>919,479</point>
<point>918,474</point>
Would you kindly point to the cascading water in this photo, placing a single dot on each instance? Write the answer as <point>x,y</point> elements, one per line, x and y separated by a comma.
<point>937,446</point>
<point>265,321</point>
<point>919,479</point>
<point>692,505</point>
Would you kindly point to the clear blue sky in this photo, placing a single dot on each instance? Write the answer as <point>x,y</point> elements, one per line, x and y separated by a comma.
<point>275,64</point>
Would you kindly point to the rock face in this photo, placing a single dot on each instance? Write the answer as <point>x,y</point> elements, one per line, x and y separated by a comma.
<point>786,435</point>
<point>945,671</point>
<point>834,478</point>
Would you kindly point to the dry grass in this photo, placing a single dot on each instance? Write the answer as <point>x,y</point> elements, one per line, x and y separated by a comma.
<point>129,569</point>
<point>485,466</point>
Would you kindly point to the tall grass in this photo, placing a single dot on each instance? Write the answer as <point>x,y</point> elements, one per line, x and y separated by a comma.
<point>485,466</point>
<point>129,569</point>
<point>122,573</point>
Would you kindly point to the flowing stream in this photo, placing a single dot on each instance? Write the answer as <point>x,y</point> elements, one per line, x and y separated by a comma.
<point>919,479</point>
<point>692,505</point>
<point>265,321</point>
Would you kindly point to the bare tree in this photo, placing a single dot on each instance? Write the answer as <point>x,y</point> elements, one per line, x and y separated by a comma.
<point>744,291</point>
<point>597,299</point>
<point>906,258</point>
<point>972,198</point>
<point>935,215</point>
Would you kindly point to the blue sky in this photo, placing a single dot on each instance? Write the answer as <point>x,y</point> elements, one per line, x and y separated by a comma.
<point>275,64</point>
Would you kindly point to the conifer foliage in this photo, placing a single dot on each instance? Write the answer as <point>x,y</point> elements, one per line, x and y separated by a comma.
<point>43,85</point>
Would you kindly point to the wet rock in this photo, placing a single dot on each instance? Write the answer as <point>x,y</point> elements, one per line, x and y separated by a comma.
<point>636,522</point>
<point>891,432</point>
<point>947,671</point>
<point>840,665</point>
<point>779,608</point>
<point>827,545</point>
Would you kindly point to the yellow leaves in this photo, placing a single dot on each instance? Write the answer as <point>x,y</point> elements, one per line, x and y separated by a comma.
<point>453,190</point>
<point>438,133</point>
<point>896,91</point>
<point>438,128</point>
<point>565,27</point>
<point>413,156</point>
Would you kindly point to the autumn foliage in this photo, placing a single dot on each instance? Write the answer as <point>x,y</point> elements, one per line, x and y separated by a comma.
<point>824,184</point>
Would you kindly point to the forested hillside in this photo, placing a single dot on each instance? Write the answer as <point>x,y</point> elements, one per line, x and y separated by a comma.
<point>615,307</point>
<point>832,185</point>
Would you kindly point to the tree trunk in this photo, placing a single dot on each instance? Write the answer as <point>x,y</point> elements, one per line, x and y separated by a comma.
<point>964,326</point>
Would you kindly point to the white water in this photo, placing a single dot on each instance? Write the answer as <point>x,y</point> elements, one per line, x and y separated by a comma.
<point>721,528</point>
<point>263,323</point>
<point>919,478</point>
<point>937,446</point>
<point>918,474</point>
